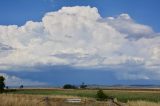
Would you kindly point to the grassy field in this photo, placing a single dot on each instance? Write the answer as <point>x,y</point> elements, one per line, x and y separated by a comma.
<point>121,95</point>
<point>39,100</point>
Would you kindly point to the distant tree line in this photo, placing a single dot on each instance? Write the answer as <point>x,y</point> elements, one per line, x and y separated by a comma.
<point>70,86</point>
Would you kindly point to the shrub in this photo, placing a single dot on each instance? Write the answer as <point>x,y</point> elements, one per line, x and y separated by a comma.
<point>101,96</point>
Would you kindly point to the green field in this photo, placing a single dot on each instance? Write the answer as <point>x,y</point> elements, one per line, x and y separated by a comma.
<point>121,95</point>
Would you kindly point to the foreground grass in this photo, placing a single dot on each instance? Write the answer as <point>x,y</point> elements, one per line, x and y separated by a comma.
<point>39,100</point>
<point>123,96</point>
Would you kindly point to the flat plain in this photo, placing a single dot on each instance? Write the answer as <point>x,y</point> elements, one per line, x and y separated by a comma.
<point>57,97</point>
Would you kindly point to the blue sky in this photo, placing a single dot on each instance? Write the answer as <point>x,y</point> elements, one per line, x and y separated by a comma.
<point>119,44</point>
<point>20,11</point>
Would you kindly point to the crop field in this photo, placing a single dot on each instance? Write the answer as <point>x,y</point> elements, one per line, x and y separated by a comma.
<point>121,95</point>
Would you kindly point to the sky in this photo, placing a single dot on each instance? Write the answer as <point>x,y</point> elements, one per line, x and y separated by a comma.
<point>53,42</point>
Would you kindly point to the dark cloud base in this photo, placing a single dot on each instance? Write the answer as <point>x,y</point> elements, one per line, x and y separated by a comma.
<point>59,75</point>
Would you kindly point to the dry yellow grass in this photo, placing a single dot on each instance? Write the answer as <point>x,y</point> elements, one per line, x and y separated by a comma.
<point>40,100</point>
<point>18,100</point>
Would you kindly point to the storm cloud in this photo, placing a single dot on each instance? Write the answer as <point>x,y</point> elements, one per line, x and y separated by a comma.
<point>79,37</point>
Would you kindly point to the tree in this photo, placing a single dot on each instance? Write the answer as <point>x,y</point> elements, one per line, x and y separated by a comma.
<point>2,84</point>
<point>101,96</point>
<point>69,86</point>
<point>83,86</point>
<point>21,86</point>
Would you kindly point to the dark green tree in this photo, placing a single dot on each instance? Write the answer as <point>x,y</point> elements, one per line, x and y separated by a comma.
<point>2,84</point>
<point>69,86</point>
<point>83,86</point>
<point>21,87</point>
<point>101,96</point>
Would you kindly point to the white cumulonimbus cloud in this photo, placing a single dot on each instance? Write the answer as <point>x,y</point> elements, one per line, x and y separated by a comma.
<point>79,37</point>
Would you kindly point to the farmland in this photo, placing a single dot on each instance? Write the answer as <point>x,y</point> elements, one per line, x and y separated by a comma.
<point>57,97</point>
<point>152,95</point>
<point>121,95</point>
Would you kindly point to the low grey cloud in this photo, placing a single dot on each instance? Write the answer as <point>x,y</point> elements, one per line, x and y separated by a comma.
<point>4,48</point>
